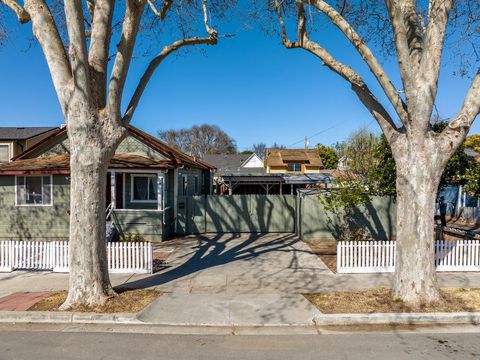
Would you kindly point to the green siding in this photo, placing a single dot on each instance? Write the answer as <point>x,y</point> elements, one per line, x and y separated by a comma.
<point>39,222</point>
<point>130,145</point>
<point>378,219</point>
<point>147,223</point>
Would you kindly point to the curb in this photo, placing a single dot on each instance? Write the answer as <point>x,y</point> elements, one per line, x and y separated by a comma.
<point>67,317</point>
<point>460,318</point>
<point>126,320</point>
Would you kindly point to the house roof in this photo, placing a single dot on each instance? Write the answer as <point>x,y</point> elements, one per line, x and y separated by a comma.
<point>60,164</point>
<point>22,133</point>
<point>281,157</point>
<point>228,163</point>
<point>177,156</point>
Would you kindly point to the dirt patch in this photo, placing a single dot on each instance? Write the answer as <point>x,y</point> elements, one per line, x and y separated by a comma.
<point>127,301</point>
<point>326,251</point>
<point>381,301</point>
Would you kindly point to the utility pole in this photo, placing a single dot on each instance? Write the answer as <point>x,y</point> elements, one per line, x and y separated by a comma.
<point>306,142</point>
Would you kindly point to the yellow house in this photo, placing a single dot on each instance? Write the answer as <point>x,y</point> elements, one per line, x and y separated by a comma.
<point>293,161</point>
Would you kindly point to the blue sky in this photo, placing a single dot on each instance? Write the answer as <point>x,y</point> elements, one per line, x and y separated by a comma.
<point>249,85</point>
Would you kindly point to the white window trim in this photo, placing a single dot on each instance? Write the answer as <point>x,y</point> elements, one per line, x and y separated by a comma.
<point>132,176</point>
<point>10,155</point>
<point>25,176</point>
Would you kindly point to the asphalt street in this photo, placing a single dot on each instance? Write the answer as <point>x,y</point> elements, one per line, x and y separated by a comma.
<point>42,345</point>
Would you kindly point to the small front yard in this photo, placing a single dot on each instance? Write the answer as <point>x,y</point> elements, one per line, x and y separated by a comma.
<point>127,301</point>
<point>381,301</point>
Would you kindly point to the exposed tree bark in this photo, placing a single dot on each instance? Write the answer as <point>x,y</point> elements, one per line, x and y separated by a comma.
<point>94,119</point>
<point>420,154</point>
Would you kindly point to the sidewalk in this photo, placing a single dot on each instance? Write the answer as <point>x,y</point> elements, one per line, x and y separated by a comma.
<point>228,280</point>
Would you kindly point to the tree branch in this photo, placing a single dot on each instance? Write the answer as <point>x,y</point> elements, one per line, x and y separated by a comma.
<point>469,111</point>
<point>366,54</point>
<point>22,15</point>
<point>78,47</point>
<point>99,48</point>
<point>131,23</point>
<point>358,84</point>
<point>166,51</point>
<point>163,12</point>
<point>401,44</point>
<point>431,58</point>
<point>46,32</point>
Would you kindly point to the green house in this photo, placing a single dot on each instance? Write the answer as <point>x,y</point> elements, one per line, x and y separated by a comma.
<point>145,180</point>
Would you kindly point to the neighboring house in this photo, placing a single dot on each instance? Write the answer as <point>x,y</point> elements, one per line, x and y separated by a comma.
<point>15,140</point>
<point>240,174</point>
<point>293,161</point>
<point>284,171</point>
<point>145,179</point>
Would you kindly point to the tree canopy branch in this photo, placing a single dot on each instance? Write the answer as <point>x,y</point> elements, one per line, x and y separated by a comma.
<point>469,110</point>
<point>358,84</point>
<point>131,23</point>
<point>101,32</point>
<point>163,12</point>
<point>366,54</point>
<point>46,32</point>
<point>77,46</point>
<point>22,15</point>
<point>166,51</point>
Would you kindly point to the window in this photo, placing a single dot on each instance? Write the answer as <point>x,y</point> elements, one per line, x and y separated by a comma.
<point>4,153</point>
<point>144,188</point>
<point>295,167</point>
<point>33,190</point>
<point>184,185</point>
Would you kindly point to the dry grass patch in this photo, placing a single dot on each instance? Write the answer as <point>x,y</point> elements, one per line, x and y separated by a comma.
<point>127,301</point>
<point>326,250</point>
<point>381,301</point>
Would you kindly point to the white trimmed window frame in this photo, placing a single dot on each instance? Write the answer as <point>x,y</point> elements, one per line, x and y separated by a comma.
<point>132,180</point>
<point>27,176</point>
<point>10,155</point>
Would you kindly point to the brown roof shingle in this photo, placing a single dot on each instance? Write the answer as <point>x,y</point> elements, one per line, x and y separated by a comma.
<point>281,157</point>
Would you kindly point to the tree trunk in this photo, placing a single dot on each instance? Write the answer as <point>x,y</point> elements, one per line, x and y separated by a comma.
<point>90,154</point>
<point>418,176</point>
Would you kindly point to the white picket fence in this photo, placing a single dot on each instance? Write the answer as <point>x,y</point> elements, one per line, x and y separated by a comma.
<point>365,256</point>
<point>379,256</point>
<point>128,257</point>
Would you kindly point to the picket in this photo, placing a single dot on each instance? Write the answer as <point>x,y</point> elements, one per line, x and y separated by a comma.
<point>43,255</point>
<point>379,256</point>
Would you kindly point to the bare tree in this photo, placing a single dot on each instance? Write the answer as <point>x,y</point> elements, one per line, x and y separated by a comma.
<point>200,140</point>
<point>420,153</point>
<point>90,93</point>
<point>259,149</point>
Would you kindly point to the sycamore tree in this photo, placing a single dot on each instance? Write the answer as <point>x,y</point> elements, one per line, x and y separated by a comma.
<point>88,46</point>
<point>419,29</point>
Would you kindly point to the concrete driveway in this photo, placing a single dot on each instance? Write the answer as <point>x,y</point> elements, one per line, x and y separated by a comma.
<point>239,264</point>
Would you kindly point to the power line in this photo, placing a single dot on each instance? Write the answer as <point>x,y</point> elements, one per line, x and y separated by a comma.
<point>312,136</point>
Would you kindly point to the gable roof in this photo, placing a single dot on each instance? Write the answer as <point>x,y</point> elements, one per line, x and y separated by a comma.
<point>227,161</point>
<point>176,156</point>
<point>22,133</point>
<point>60,164</point>
<point>281,157</point>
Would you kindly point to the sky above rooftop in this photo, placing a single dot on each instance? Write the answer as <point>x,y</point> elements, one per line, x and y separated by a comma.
<point>249,85</point>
